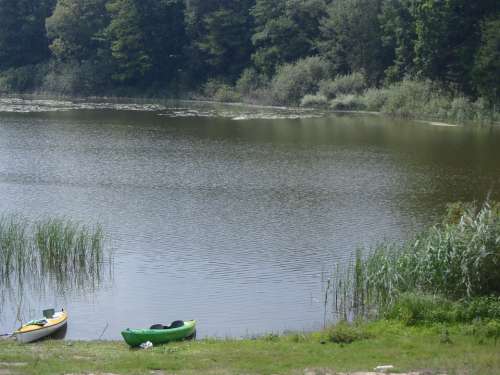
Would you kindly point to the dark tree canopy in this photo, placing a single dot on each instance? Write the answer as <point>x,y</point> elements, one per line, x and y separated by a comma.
<point>158,44</point>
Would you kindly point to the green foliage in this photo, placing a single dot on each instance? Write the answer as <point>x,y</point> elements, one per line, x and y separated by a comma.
<point>127,40</point>
<point>457,260</point>
<point>281,24</point>
<point>354,83</point>
<point>220,91</point>
<point>226,39</point>
<point>486,330</point>
<point>249,82</point>
<point>52,250</point>
<point>374,99</point>
<point>347,103</point>
<point>293,81</point>
<point>345,333</point>
<point>75,78</point>
<point>398,37</point>
<point>74,26</point>
<point>440,59</point>
<point>23,79</point>
<point>447,36</point>
<point>487,61</point>
<point>314,101</point>
<point>351,38</point>
<point>410,98</point>
<point>23,40</point>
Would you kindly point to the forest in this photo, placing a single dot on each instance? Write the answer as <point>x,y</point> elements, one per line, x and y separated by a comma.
<point>345,54</point>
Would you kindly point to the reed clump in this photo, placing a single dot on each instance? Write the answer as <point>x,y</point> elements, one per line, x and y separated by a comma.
<point>458,259</point>
<point>62,252</point>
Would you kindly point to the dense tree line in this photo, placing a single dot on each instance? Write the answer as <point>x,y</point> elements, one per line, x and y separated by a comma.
<point>96,46</point>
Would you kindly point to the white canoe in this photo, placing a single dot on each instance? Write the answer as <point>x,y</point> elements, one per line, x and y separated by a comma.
<point>33,332</point>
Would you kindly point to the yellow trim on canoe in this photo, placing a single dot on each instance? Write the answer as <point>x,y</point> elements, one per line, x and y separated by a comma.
<point>50,322</point>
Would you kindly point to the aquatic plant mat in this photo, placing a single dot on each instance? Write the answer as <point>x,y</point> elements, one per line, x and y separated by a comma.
<point>57,254</point>
<point>419,349</point>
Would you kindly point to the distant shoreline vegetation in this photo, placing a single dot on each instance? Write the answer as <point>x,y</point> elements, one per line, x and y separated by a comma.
<point>436,60</point>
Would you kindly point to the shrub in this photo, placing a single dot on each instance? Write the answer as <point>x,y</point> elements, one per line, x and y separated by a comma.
<point>484,112</point>
<point>408,98</point>
<point>293,81</point>
<point>489,329</point>
<point>374,99</point>
<point>76,78</point>
<point>210,87</point>
<point>314,101</point>
<point>249,82</point>
<point>460,109</point>
<point>347,103</point>
<point>412,309</point>
<point>226,93</point>
<point>22,79</point>
<point>354,83</point>
<point>220,91</point>
<point>345,333</point>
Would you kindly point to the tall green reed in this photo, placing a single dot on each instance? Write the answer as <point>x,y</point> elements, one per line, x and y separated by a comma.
<point>459,258</point>
<point>55,253</point>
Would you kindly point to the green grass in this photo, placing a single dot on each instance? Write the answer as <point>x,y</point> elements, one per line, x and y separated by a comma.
<point>384,342</point>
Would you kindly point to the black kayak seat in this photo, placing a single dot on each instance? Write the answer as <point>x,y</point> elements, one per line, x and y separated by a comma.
<point>49,313</point>
<point>175,324</point>
<point>157,326</point>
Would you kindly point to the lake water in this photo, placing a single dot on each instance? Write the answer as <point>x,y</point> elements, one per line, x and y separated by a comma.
<point>224,214</point>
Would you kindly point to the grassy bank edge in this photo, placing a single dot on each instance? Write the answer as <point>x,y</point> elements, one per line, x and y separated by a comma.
<point>452,349</point>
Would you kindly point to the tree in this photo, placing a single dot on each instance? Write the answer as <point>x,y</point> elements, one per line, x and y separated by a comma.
<point>74,26</point>
<point>164,28</point>
<point>23,39</point>
<point>285,31</point>
<point>351,38</point>
<point>220,34</point>
<point>398,37</point>
<point>447,36</point>
<point>486,71</point>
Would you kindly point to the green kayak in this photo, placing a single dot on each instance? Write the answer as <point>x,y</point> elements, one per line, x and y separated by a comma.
<point>159,334</point>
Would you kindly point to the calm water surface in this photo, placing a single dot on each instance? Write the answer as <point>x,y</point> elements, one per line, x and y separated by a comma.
<point>223,214</point>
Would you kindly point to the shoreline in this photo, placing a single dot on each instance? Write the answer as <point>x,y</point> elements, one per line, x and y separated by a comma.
<point>408,349</point>
<point>155,100</point>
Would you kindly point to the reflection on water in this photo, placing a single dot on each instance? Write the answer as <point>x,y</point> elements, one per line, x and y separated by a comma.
<point>230,222</point>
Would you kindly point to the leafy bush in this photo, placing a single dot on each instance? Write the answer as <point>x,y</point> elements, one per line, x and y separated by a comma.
<point>413,309</point>
<point>226,93</point>
<point>374,99</point>
<point>22,79</point>
<point>409,98</point>
<point>293,81</point>
<point>249,82</point>
<point>76,78</point>
<point>486,329</point>
<point>345,333</point>
<point>314,101</point>
<point>220,91</point>
<point>347,103</point>
<point>354,83</point>
<point>461,109</point>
